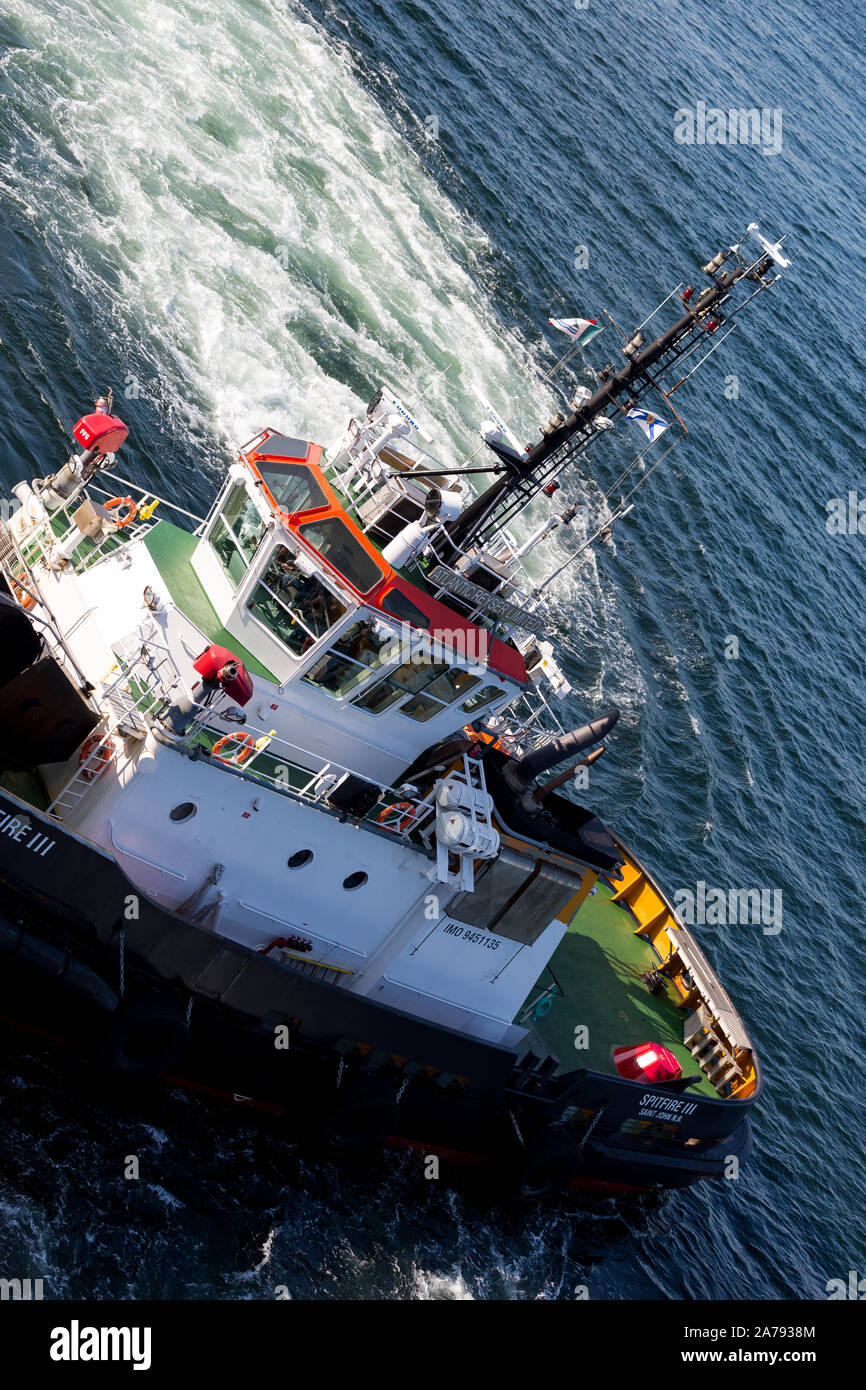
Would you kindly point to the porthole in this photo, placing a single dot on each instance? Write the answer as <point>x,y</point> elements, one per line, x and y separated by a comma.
<point>355,880</point>
<point>185,810</point>
<point>300,858</point>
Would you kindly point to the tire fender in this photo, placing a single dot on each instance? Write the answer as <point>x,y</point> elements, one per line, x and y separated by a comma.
<point>150,1034</point>
<point>552,1161</point>
<point>365,1116</point>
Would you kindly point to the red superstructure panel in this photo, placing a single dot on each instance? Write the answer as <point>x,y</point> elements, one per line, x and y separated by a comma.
<point>502,658</point>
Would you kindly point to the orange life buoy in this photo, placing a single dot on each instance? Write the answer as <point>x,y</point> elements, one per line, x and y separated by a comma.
<point>106,753</point>
<point>130,514</point>
<point>392,818</point>
<point>245,750</point>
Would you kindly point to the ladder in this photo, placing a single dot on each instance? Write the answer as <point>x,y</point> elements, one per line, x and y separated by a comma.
<point>124,716</point>
<point>91,768</point>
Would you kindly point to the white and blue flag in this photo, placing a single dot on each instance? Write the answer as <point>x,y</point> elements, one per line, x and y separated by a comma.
<point>652,425</point>
<point>584,330</point>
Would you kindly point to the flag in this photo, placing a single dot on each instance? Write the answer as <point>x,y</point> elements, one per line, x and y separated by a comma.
<point>652,425</point>
<point>584,330</point>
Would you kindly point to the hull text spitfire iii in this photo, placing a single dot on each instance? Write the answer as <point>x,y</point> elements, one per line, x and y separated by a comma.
<point>285,814</point>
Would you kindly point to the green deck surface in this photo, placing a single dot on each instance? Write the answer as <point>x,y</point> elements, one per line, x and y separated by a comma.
<point>171,550</point>
<point>598,964</point>
<point>29,786</point>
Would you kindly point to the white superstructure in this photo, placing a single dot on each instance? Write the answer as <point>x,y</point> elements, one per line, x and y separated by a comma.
<point>279,807</point>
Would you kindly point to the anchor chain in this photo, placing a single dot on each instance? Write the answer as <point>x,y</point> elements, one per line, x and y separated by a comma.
<point>592,1124</point>
<point>122,985</point>
<point>516,1127</point>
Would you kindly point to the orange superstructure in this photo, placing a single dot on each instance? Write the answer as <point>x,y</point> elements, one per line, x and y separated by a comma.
<point>289,472</point>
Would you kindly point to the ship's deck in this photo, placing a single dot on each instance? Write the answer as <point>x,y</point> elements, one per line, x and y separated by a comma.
<point>171,550</point>
<point>598,965</point>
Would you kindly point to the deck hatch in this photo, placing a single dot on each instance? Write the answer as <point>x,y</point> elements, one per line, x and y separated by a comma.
<point>515,896</point>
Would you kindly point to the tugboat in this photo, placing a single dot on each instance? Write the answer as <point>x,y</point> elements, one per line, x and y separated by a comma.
<point>287,815</point>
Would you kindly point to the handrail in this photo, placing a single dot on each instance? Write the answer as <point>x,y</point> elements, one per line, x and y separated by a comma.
<point>317,784</point>
<point>148,492</point>
<point>88,772</point>
<point>50,623</point>
<point>306,960</point>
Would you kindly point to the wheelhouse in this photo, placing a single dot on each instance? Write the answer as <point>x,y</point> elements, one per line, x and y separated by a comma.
<point>351,643</point>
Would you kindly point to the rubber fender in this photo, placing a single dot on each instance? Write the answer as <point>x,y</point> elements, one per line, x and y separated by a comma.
<point>150,1035</point>
<point>553,1160</point>
<point>40,956</point>
<point>366,1115</point>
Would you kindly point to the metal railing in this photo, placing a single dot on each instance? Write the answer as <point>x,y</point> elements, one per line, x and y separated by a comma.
<point>283,766</point>
<point>125,706</point>
<point>49,534</point>
<point>504,586</point>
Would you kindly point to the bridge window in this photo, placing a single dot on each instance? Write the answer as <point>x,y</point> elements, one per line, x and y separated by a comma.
<point>237,533</point>
<point>403,608</point>
<point>360,651</point>
<point>441,693</point>
<point>296,607</point>
<point>410,678</point>
<point>485,696</point>
<point>431,685</point>
<point>293,486</point>
<point>334,541</point>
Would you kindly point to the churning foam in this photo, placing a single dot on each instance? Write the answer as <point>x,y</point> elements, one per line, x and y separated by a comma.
<point>264,242</point>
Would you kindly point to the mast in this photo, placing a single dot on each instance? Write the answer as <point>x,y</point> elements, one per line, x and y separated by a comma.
<point>646,366</point>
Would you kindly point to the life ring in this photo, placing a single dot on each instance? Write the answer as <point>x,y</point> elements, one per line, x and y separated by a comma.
<point>106,753</point>
<point>391,817</point>
<point>131,511</point>
<point>241,754</point>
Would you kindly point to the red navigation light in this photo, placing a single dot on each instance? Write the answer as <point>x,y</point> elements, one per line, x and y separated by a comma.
<point>646,1062</point>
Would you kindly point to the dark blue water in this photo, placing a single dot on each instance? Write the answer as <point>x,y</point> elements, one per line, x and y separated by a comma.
<point>264,211</point>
